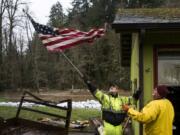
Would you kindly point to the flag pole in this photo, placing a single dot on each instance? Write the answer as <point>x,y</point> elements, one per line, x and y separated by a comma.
<point>78,71</point>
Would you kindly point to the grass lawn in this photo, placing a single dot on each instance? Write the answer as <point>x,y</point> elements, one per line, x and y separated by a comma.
<point>77,114</point>
<point>4,100</point>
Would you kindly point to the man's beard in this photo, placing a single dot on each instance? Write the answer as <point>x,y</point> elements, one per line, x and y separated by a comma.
<point>113,94</point>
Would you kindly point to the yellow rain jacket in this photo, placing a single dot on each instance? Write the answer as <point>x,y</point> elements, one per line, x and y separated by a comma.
<point>157,117</point>
<point>113,107</point>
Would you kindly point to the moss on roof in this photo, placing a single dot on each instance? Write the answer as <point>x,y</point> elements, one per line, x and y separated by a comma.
<point>163,13</point>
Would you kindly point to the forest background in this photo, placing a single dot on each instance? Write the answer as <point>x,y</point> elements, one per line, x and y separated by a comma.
<point>26,64</point>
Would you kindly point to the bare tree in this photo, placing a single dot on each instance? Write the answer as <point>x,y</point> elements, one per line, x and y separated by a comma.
<point>2,10</point>
<point>12,8</point>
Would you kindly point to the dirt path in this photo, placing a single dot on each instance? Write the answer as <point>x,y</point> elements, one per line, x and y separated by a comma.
<point>75,95</point>
<point>54,95</point>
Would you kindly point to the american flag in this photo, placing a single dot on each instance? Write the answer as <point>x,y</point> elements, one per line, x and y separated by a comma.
<point>55,39</point>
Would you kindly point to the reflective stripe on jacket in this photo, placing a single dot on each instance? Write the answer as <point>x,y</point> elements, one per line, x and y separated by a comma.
<point>157,117</point>
<point>114,105</point>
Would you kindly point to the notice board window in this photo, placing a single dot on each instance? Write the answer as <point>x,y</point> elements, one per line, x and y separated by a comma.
<point>169,67</point>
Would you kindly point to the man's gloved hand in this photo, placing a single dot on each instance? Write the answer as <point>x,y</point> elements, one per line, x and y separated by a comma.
<point>90,86</point>
<point>137,94</point>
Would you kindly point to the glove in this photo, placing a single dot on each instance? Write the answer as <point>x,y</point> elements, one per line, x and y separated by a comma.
<point>125,108</point>
<point>90,86</point>
<point>137,94</point>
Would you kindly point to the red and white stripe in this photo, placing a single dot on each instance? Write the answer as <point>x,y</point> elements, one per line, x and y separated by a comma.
<point>69,37</point>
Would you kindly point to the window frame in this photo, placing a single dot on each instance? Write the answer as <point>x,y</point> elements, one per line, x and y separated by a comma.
<point>156,49</point>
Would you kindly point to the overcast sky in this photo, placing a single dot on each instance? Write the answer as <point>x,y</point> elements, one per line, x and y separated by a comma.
<point>40,8</point>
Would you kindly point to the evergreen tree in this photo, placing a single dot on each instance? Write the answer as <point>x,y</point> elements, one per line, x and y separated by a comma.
<point>57,16</point>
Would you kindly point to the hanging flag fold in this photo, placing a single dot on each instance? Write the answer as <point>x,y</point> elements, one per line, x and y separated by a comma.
<point>55,39</point>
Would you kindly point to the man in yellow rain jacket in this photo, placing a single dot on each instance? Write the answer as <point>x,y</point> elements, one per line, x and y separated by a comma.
<point>157,116</point>
<point>112,113</point>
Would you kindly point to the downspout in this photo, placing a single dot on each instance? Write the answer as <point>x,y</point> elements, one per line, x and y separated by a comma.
<point>141,68</point>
